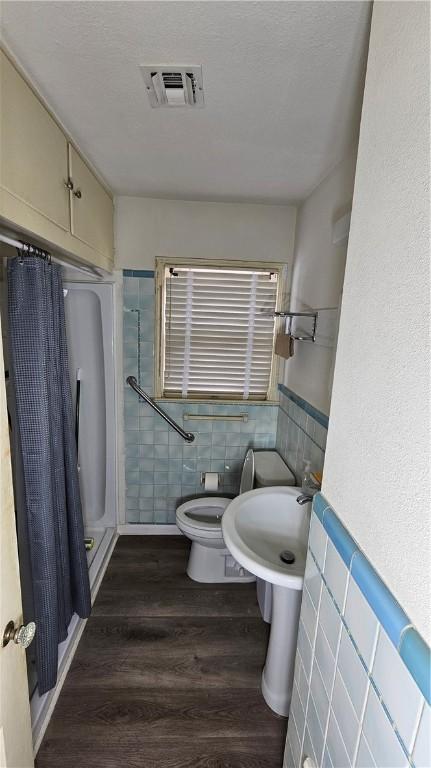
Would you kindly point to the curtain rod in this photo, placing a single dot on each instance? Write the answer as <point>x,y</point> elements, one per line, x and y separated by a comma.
<point>34,249</point>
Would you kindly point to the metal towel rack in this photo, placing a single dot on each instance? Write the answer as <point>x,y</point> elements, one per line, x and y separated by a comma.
<point>290,315</point>
<point>187,436</point>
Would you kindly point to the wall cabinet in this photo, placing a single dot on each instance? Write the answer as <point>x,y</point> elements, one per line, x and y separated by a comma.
<point>46,189</point>
<point>90,206</point>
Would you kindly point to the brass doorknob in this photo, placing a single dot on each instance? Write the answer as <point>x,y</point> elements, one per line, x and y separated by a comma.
<point>22,635</point>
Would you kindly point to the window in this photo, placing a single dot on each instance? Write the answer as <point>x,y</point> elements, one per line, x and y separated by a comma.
<point>217,330</point>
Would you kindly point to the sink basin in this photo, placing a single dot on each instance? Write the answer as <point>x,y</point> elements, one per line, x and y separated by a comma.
<point>259,525</point>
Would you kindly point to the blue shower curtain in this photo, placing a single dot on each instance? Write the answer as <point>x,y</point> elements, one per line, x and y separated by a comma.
<point>45,437</point>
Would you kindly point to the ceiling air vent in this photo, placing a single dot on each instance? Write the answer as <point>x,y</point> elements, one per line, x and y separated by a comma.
<point>173,86</point>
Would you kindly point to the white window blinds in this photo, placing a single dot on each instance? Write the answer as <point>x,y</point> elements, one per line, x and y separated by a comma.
<point>218,332</point>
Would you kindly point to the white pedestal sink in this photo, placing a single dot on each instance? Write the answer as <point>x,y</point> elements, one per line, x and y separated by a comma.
<point>258,527</point>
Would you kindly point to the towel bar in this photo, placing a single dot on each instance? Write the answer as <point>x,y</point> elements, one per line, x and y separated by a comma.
<point>215,417</point>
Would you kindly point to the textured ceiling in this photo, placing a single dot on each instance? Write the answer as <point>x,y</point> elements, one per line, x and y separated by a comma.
<point>282,82</point>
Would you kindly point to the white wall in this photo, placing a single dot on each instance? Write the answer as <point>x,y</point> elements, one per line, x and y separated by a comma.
<point>377,460</point>
<point>146,228</point>
<point>317,281</point>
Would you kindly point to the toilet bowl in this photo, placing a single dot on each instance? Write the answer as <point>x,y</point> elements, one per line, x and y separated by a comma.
<point>200,520</point>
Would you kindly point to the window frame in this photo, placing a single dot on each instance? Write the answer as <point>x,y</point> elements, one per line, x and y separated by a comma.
<point>160,285</point>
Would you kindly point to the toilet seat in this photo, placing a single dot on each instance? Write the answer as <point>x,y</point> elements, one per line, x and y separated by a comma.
<point>202,515</point>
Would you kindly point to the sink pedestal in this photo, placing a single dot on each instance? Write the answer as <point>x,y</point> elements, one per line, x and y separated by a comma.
<point>277,676</point>
<point>258,528</point>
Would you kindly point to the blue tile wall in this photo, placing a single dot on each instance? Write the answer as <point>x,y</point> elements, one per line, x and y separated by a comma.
<point>301,433</point>
<point>161,469</point>
<point>361,692</point>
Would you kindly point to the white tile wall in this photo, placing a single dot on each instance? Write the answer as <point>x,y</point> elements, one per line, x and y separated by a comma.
<point>309,615</point>
<point>318,541</point>
<point>362,622</point>
<point>297,710</point>
<point>353,673</point>
<point>288,756</point>
<point>364,758</point>
<point>327,762</point>
<point>355,704</point>
<point>345,716</point>
<point>313,582</point>
<point>422,748</point>
<point>329,620</point>
<point>295,741</point>
<point>335,745</point>
<point>381,736</point>
<point>308,746</point>
<point>302,682</point>
<point>305,650</point>
<point>396,685</point>
<point>336,574</point>
<point>325,659</point>
<point>319,696</point>
<point>315,727</point>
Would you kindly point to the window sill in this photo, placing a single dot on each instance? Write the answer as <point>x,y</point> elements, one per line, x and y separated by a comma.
<point>213,401</point>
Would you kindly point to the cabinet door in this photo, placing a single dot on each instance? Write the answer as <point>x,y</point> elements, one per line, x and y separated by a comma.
<point>91,207</point>
<point>33,149</point>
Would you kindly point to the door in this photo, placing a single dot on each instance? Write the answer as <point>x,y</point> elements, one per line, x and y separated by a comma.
<point>34,163</point>
<point>91,209</point>
<point>15,729</point>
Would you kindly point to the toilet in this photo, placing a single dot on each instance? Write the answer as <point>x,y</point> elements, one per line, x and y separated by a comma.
<point>200,520</point>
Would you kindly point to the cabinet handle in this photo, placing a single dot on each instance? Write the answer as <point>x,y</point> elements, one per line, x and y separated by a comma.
<point>68,184</point>
<point>78,194</point>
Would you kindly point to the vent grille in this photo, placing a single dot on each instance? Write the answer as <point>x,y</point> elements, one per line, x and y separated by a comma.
<point>174,86</point>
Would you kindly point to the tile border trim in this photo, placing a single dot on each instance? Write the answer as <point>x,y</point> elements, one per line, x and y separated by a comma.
<point>412,648</point>
<point>306,406</point>
<point>138,273</point>
<point>387,609</point>
<point>415,654</point>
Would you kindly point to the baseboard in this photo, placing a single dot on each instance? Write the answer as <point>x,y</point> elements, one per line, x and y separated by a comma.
<point>144,529</point>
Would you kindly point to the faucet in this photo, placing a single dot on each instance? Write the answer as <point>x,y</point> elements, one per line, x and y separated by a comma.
<point>304,498</point>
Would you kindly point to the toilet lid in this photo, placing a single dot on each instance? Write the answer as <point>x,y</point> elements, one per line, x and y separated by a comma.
<point>247,475</point>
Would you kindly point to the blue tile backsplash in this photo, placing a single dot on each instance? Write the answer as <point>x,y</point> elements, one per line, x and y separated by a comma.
<point>161,469</point>
<point>301,433</point>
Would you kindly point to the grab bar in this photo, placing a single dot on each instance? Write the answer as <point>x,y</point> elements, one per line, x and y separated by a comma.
<point>187,436</point>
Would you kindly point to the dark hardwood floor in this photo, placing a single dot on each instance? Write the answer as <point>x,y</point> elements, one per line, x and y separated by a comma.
<point>167,672</point>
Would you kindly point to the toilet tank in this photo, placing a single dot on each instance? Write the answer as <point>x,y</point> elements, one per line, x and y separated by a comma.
<point>270,469</point>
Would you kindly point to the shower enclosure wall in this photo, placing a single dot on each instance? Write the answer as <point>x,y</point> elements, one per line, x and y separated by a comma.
<point>90,336</point>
